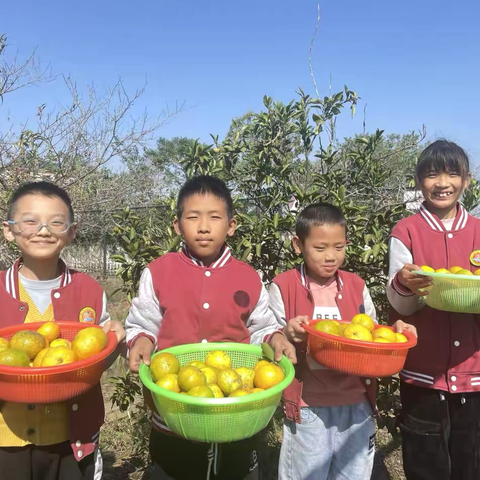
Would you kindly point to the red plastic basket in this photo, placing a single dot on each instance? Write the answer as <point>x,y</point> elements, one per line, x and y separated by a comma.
<point>53,384</point>
<point>366,359</point>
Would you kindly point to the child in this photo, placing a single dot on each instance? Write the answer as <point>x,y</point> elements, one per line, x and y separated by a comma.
<point>201,294</point>
<point>440,384</point>
<point>56,441</point>
<point>329,431</point>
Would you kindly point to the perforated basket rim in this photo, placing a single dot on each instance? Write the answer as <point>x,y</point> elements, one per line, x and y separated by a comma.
<point>412,340</point>
<point>60,369</point>
<point>144,373</point>
<point>453,276</point>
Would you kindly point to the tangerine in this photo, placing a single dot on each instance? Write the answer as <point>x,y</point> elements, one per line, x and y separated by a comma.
<point>88,342</point>
<point>239,393</point>
<point>58,356</point>
<point>164,364</point>
<point>29,341</point>
<point>61,342</point>
<point>229,381</point>
<point>217,392</point>
<point>211,374</point>
<point>401,338</point>
<point>38,359</point>
<point>196,363</point>
<point>4,344</point>
<point>260,364</point>
<point>364,320</point>
<point>169,382</point>
<point>201,391</point>
<point>247,375</point>
<point>327,326</point>
<point>219,360</point>
<point>50,330</point>
<point>189,377</point>
<point>14,357</point>
<point>386,333</point>
<point>268,376</point>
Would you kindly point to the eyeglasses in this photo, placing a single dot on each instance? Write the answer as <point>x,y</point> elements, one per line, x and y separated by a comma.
<point>30,227</point>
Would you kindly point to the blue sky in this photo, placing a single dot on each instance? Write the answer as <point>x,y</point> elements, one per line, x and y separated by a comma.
<point>413,62</point>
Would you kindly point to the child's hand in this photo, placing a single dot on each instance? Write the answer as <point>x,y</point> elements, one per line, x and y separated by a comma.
<point>117,328</point>
<point>294,331</point>
<point>413,281</point>
<point>141,351</point>
<point>400,326</point>
<point>281,346</point>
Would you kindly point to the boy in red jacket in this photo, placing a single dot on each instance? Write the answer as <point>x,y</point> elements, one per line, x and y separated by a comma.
<point>56,441</point>
<point>201,294</point>
<point>440,384</point>
<point>329,431</point>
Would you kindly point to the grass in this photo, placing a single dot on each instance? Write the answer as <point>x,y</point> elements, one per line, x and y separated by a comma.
<point>124,436</point>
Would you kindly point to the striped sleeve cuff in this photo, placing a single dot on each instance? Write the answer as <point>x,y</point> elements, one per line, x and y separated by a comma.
<point>400,289</point>
<point>131,343</point>
<point>268,337</point>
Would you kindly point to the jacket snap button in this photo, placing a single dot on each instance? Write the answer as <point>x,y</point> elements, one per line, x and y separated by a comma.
<point>74,407</point>
<point>208,273</point>
<point>56,295</point>
<point>340,296</point>
<point>368,381</point>
<point>80,454</point>
<point>454,388</point>
<point>206,306</point>
<point>456,343</point>
<point>78,443</point>
<point>453,378</point>
<point>22,308</point>
<point>450,235</point>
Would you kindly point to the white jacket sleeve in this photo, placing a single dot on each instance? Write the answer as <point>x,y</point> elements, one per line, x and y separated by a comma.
<point>401,299</point>
<point>276,305</point>
<point>105,317</point>
<point>145,315</point>
<point>262,321</point>
<point>368,304</point>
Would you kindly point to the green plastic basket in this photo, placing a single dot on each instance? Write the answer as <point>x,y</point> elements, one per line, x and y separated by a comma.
<point>219,420</point>
<point>453,293</point>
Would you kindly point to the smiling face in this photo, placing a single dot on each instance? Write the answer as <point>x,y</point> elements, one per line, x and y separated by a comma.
<point>205,225</point>
<point>41,245</point>
<point>323,251</point>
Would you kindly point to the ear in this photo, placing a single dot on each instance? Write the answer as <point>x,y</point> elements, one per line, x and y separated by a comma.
<point>7,232</point>
<point>467,181</point>
<point>176,226</point>
<point>232,225</point>
<point>297,245</point>
<point>72,232</point>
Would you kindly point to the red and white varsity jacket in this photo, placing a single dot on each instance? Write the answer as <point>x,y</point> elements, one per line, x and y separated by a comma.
<point>447,355</point>
<point>182,301</point>
<point>290,296</point>
<point>77,291</point>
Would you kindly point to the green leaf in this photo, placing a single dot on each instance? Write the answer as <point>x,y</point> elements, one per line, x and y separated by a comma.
<point>275,220</point>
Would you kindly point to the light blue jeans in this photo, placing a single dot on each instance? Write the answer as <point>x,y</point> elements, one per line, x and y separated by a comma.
<point>331,443</point>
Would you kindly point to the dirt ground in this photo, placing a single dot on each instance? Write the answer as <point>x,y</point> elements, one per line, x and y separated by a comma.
<point>121,439</point>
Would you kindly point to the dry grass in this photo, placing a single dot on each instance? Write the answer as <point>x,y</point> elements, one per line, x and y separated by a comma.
<point>122,435</point>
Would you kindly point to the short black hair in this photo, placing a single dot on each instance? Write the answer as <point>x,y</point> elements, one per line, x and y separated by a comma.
<point>318,214</point>
<point>202,185</point>
<point>39,188</point>
<point>442,156</point>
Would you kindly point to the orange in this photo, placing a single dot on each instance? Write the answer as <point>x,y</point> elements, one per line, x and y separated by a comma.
<point>58,356</point>
<point>189,377</point>
<point>169,382</point>
<point>327,326</point>
<point>239,393</point>
<point>14,357</point>
<point>50,330</point>
<point>256,390</point>
<point>442,270</point>
<point>381,340</point>
<point>455,269</point>
<point>196,363</point>
<point>4,344</point>
<point>260,364</point>
<point>88,342</point>
<point>401,338</point>
<point>427,269</point>
<point>38,359</point>
<point>219,360</point>
<point>201,391</point>
<point>29,341</point>
<point>477,272</point>
<point>364,320</point>
<point>246,374</point>
<point>211,374</point>
<point>464,271</point>
<point>61,342</point>
<point>357,332</point>
<point>217,392</point>
<point>163,364</point>
<point>342,327</point>
<point>268,376</point>
<point>229,381</point>
<point>386,333</point>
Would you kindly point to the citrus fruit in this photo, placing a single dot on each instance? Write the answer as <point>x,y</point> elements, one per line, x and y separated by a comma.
<point>239,393</point>
<point>364,320</point>
<point>335,322</point>
<point>61,342</point>
<point>327,326</point>
<point>189,377</point>
<point>455,269</point>
<point>217,392</point>
<point>442,270</point>
<point>386,333</point>
<point>50,330</point>
<point>38,359</point>
<point>169,382</point>
<point>229,381</point>
<point>401,338</point>
<point>201,391</point>
<point>464,271</point>
<point>342,327</point>
<point>260,363</point>
<point>219,360</point>
<point>4,344</point>
<point>196,363</point>
<point>381,340</point>
<point>357,332</point>
<point>163,364</point>
<point>268,376</point>
<point>256,390</point>
<point>88,342</point>
<point>29,341</point>
<point>211,374</point>
<point>246,374</point>
<point>14,358</point>
<point>427,269</point>
<point>58,356</point>
<point>477,272</point>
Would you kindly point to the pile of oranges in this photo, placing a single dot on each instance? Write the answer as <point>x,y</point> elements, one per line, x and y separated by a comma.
<point>454,270</point>
<point>362,327</point>
<point>44,348</point>
<point>215,377</point>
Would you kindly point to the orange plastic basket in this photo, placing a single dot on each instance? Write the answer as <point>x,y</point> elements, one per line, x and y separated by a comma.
<point>52,384</point>
<point>366,359</point>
